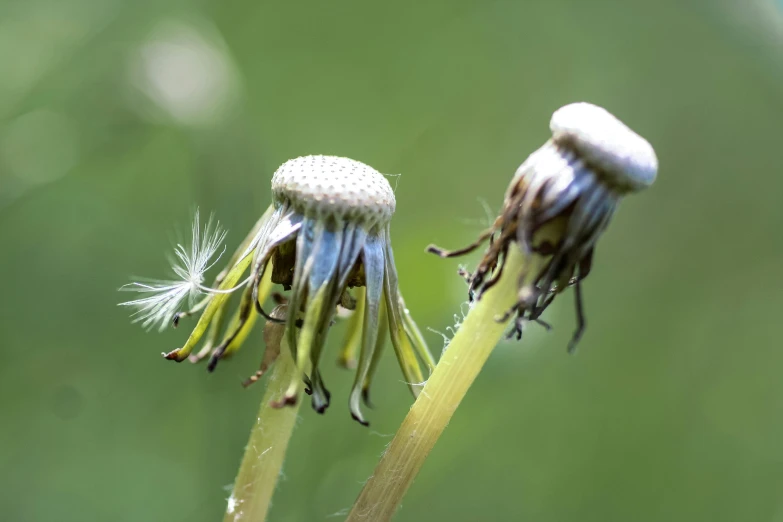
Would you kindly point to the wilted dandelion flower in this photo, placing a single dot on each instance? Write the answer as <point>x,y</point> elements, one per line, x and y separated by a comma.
<point>325,240</point>
<point>577,177</point>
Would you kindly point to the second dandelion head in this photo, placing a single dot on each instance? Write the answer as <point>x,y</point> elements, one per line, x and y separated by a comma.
<point>572,184</point>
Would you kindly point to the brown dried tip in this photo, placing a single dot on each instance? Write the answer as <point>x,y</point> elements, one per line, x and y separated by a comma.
<point>578,176</point>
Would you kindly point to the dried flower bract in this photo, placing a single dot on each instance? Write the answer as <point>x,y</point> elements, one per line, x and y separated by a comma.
<point>576,179</point>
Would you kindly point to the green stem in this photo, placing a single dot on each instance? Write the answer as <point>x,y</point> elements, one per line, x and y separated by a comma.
<point>260,469</point>
<point>457,369</point>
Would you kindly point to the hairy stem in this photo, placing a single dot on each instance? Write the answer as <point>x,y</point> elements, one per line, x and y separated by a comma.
<point>430,414</point>
<point>260,469</point>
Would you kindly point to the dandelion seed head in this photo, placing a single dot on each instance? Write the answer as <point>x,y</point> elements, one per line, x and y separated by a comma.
<point>326,235</point>
<point>559,202</point>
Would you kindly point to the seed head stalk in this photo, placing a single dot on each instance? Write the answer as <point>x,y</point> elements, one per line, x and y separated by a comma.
<point>457,369</point>
<point>260,468</point>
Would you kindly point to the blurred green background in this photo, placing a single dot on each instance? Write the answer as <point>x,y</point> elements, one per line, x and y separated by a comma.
<point>117,118</point>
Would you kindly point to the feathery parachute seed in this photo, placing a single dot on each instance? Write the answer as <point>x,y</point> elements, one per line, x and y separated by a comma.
<point>325,236</point>
<point>165,297</point>
<point>576,179</point>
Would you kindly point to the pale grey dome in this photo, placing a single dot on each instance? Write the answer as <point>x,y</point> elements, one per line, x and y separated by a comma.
<point>625,159</point>
<point>334,186</point>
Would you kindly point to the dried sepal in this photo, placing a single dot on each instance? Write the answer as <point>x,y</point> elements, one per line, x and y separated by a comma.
<point>273,337</point>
